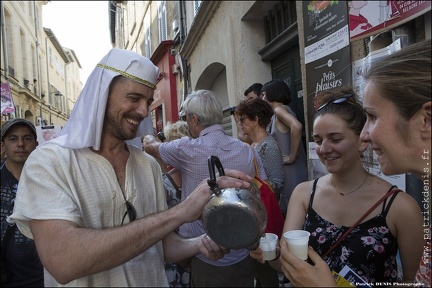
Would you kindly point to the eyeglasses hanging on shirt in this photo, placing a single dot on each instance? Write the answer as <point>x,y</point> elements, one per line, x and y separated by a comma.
<point>130,210</point>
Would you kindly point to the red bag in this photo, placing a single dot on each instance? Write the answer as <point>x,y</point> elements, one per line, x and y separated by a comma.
<point>275,219</point>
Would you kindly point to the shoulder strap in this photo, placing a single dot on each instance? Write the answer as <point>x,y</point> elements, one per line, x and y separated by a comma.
<point>361,219</point>
<point>178,192</point>
<point>256,167</point>
<point>255,162</point>
<point>385,207</point>
<point>313,192</point>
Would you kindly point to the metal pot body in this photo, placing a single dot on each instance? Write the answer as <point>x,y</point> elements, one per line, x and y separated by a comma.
<point>234,218</point>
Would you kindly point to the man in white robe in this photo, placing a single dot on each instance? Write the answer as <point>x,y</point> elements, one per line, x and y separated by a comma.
<point>94,203</point>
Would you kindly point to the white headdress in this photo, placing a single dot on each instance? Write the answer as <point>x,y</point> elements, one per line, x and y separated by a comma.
<point>84,126</point>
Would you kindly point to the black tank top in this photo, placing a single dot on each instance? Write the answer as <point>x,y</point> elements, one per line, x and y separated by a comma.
<point>369,250</point>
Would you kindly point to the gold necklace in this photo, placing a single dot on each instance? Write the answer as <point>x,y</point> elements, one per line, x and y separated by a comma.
<point>343,194</point>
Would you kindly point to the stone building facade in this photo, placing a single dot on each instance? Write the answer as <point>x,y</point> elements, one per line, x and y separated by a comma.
<point>43,77</point>
<point>225,46</point>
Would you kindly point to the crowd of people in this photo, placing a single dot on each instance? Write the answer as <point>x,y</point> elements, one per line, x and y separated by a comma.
<point>204,114</point>
<point>328,206</point>
<point>92,208</point>
<point>398,129</point>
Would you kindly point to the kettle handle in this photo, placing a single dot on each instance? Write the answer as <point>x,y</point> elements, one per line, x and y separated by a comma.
<point>212,162</point>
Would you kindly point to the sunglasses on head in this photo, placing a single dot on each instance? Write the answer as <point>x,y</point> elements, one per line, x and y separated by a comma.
<point>130,210</point>
<point>336,101</point>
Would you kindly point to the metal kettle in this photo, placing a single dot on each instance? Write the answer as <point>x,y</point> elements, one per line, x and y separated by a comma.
<point>234,217</point>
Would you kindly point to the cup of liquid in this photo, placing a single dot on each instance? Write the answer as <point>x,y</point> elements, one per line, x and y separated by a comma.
<point>268,245</point>
<point>298,242</point>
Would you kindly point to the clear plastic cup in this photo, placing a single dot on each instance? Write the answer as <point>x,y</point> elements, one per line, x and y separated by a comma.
<point>268,245</point>
<point>298,242</point>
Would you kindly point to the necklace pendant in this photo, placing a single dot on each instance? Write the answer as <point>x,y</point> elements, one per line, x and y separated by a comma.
<point>344,194</point>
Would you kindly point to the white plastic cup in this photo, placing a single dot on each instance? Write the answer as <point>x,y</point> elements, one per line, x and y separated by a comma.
<point>268,245</point>
<point>298,242</point>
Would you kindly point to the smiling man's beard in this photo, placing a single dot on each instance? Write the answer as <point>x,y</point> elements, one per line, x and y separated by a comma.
<point>115,129</point>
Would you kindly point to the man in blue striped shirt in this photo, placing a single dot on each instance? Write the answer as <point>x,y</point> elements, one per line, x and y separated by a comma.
<point>204,114</point>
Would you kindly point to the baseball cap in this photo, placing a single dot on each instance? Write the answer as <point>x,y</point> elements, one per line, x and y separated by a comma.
<point>17,121</point>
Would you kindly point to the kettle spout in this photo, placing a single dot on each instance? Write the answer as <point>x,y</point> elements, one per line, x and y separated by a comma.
<point>254,246</point>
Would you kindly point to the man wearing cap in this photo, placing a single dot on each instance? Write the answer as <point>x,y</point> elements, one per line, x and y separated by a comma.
<point>95,203</point>
<point>21,265</point>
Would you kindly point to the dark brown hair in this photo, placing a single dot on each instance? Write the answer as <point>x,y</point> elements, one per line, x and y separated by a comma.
<point>350,110</point>
<point>277,91</point>
<point>256,107</point>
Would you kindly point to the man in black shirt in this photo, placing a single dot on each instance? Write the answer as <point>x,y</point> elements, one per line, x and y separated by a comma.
<point>20,264</point>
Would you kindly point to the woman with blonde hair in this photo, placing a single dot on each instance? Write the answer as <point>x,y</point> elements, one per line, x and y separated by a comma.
<point>397,102</point>
<point>176,130</point>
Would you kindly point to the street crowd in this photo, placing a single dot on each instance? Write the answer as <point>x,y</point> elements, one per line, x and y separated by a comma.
<point>92,207</point>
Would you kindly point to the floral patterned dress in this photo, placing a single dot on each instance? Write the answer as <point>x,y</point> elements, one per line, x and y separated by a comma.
<point>369,250</point>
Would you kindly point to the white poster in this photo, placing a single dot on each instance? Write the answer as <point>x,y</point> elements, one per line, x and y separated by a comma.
<point>357,66</point>
<point>46,133</point>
